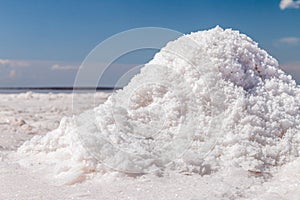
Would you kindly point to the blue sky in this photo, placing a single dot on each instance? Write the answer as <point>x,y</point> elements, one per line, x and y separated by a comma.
<point>42,43</point>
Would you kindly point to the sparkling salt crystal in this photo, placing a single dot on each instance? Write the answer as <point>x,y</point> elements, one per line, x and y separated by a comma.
<point>214,90</point>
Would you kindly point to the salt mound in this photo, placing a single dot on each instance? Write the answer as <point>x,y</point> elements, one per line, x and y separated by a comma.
<point>207,101</point>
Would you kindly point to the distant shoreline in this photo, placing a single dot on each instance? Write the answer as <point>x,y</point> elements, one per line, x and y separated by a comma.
<point>59,88</point>
<point>17,90</point>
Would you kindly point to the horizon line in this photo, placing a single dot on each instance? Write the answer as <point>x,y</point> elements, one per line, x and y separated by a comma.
<point>59,88</point>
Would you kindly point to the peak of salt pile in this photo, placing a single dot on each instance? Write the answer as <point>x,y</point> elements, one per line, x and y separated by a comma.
<point>207,101</point>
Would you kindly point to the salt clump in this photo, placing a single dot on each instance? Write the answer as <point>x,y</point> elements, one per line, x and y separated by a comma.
<point>207,101</point>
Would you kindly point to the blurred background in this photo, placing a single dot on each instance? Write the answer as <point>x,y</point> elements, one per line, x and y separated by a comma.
<point>42,43</point>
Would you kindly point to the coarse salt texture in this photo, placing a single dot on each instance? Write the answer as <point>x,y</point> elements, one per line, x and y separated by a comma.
<point>208,101</point>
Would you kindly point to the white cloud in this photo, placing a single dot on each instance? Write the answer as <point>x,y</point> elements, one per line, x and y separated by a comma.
<point>14,63</point>
<point>10,68</point>
<point>12,74</point>
<point>37,72</point>
<point>63,67</point>
<point>290,40</point>
<point>4,62</point>
<point>284,4</point>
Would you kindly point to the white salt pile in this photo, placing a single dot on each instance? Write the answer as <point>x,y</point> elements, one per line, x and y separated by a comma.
<point>209,101</point>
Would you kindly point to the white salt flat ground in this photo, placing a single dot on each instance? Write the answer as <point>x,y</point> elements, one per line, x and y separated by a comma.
<point>24,115</point>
